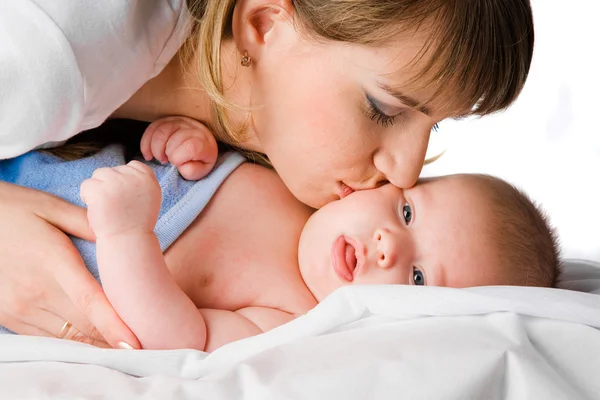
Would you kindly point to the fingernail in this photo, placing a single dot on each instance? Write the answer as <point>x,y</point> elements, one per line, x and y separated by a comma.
<point>125,346</point>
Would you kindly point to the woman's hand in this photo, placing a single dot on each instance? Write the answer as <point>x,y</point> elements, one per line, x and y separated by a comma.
<point>43,281</point>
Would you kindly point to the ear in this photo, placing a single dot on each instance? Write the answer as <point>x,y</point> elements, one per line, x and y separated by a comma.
<point>257,23</point>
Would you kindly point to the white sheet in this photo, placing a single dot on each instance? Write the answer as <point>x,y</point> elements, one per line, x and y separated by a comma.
<point>362,342</point>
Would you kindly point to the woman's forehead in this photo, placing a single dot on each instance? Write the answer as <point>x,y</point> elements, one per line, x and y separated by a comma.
<point>402,69</point>
<point>416,67</point>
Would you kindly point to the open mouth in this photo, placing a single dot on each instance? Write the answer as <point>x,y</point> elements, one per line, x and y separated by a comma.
<point>343,259</point>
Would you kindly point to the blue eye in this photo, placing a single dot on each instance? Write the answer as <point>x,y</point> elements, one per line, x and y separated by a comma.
<point>407,213</point>
<point>418,277</point>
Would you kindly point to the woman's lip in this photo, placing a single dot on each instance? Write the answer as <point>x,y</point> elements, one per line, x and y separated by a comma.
<point>338,259</point>
<point>345,190</point>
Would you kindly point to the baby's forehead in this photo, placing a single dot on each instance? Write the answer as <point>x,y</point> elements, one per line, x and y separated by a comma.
<point>464,196</point>
<point>465,182</point>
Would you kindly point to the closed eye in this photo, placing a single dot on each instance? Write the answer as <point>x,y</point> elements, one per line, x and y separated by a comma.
<point>375,114</point>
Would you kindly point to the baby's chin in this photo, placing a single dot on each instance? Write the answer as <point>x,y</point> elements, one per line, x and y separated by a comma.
<point>317,289</point>
<point>313,271</point>
<point>310,284</point>
<point>312,233</point>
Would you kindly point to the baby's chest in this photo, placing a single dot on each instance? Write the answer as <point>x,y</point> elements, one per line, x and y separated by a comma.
<point>230,278</point>
<point>229,261</point>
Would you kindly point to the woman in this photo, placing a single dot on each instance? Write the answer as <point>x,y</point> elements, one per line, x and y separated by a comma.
<point>340,96</point>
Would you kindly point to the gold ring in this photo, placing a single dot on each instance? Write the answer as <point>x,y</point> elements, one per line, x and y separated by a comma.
<point>64,330</point>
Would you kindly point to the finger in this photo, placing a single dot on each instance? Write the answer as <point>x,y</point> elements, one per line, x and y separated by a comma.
<point>146,142</point>
<point>147,139</point>
<point>85,188</point>
<point>23,328</point>
<point>140,167</point>
<point>89,299</point>
<point>125,170</point>
<point>69,331</point>
<point>201,148</point>
<point>160,137</point>
<point>94,304</point>
<point>55,329</point>
<point>177,140</point>
<point>135,168</point>
<point>194,170</point>
<point>68,218</point>
<point>76,336</point>
<point>52,321</point>
<point>47,323</point>
<point>103,174</point>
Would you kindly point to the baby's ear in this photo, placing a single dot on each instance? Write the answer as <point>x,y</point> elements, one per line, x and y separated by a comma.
<point>255,22</point>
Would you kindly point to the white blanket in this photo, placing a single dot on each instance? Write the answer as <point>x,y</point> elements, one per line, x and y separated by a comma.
<point>361,343</point>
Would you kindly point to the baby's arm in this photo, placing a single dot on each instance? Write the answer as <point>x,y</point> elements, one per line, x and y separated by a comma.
<point>184,142</point>
<point>123,206</point>
<point>224,326</point>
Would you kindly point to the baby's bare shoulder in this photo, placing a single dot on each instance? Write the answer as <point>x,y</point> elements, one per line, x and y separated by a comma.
<point>255,183</point>
<point>249,174</point>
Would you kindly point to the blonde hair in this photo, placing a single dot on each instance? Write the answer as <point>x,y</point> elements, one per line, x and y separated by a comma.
<point>480,48</point>
<point>477,52</point>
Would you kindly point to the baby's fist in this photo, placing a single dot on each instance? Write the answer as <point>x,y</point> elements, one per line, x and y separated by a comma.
<point>122,198</point>
<point>184,142</point>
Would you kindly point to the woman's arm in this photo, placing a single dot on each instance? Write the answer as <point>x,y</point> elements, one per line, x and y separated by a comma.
<point>43,281</point>
<point>42,87</point>
<point>123,206</point>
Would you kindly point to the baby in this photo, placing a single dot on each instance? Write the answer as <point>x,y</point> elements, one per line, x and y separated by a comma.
<point>255,258</point>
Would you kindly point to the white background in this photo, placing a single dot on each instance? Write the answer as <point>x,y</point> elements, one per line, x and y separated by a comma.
<point>548,142</point>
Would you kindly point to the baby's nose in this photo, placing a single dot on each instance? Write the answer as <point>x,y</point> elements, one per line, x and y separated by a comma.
<point>386,248</point>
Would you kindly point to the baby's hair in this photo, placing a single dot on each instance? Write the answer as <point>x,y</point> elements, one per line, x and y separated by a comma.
<point>477,52</point>
<point>526,244</point>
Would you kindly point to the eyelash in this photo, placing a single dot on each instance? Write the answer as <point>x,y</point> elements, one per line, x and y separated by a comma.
<point>378,116</point>
<point>385,120</point>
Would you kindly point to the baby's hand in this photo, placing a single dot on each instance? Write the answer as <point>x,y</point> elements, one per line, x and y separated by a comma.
<point>184,142</point>
<point>121,199</point>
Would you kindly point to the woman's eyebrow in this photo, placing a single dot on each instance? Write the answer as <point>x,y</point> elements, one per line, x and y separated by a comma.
<point>409,101</point>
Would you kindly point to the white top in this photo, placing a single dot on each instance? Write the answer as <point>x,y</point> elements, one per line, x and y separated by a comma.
<point>67,65</point>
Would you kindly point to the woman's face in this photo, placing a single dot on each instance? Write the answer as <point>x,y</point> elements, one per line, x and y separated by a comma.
<point>327,118</point>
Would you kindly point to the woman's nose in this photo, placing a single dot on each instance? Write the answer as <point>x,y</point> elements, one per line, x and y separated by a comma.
<point>401,158</point>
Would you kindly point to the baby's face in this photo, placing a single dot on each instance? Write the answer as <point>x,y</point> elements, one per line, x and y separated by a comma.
<point>431,234</point>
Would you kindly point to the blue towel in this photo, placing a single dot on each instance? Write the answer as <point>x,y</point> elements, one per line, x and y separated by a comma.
<point>182,201</point>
